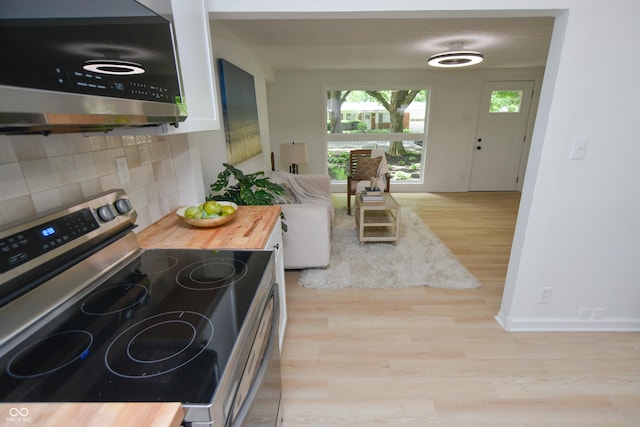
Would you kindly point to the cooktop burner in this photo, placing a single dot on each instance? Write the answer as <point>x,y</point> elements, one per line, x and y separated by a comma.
<point>114,299</point>
<point>147,333</point>
<point>50,354</point>
<point>159,344</point>
<point>211,274</point>
<point>154,263</point>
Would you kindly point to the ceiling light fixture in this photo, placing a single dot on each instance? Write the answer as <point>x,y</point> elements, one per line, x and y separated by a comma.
<point>456,56</point>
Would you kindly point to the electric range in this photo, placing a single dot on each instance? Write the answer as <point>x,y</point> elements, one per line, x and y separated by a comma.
<point>88,316</point>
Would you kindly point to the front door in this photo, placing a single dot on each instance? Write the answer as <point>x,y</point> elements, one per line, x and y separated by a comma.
<point>500,139</point>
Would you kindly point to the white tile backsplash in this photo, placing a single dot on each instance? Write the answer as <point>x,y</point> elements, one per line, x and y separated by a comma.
<point>64,170</point>
<point>20,208</point>
<point>69,193</point>
<point>39,173</point>
<point>78,143</point>
<point>7,154</point>
<point>90,186</point>
<point>85,166</point>
<point>46,200</point>
<point>12,182</point>
<point>29,147</point>
<point>57,147</point>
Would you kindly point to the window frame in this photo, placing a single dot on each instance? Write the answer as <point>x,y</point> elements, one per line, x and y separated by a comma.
<point>329,137</point>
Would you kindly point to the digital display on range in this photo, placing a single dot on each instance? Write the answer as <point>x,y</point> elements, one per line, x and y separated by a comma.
<point>36,241</point>
<point>47,232</point>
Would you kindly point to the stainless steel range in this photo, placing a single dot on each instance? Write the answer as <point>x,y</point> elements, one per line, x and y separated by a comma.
<point>86,315</point>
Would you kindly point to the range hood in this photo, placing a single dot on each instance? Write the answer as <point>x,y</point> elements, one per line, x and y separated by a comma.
<point>86,66</point>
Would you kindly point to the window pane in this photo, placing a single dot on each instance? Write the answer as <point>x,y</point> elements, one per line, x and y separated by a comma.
<point>505,101</point>
<point>391,120</point>
<point>376,111</point>
<point>406,167</point>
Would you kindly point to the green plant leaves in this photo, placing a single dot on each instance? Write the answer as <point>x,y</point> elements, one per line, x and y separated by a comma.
<point>252,189</point>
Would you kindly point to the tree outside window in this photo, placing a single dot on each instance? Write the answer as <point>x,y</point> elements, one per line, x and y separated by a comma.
<point>505,101</point>
<point>393,120</point>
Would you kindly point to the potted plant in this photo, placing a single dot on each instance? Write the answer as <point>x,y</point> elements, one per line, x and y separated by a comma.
<point>249,189</point>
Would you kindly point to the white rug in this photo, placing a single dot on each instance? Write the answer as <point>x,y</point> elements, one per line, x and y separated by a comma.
<point>419,259</point>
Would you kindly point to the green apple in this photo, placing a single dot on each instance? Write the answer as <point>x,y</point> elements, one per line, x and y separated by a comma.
<point>190,212</point>
<point>212,207</point>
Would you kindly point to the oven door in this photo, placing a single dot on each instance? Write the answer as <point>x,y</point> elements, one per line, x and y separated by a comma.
<point>257,400</point>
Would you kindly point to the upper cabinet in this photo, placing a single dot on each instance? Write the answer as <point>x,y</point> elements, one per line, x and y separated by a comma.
<point>193,43</point>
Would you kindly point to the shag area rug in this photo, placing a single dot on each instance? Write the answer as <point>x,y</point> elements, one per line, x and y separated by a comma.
<point>419,259</point>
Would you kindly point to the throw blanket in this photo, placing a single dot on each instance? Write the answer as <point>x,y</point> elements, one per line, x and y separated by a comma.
<point>301,190</point>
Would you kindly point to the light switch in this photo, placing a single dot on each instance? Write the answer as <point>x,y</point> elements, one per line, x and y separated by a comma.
<point>579,148</point>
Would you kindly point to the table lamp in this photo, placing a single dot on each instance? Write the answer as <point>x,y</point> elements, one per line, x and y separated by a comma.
<point>293,154</point>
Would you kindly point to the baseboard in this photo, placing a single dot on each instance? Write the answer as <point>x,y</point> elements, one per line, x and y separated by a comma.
<point>524,324</point>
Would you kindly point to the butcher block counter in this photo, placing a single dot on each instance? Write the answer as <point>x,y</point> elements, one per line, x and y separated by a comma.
<point>157,414</point>
<point>250,229</point>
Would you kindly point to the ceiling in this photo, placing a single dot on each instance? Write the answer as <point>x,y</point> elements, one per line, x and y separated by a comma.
<point>397,43</point>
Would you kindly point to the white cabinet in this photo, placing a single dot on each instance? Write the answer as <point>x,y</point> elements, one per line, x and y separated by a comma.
<point>190,21</point>
<point>275,244</point>
<point>193,39</point>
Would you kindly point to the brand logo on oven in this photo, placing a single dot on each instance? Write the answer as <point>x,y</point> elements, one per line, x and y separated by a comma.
<point>18,415</point>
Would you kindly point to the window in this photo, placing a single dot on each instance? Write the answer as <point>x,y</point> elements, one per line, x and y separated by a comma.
<point>393,120</point>
<point>505,101</point>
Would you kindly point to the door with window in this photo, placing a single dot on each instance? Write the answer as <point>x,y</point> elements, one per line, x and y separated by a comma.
<point>500,138</point>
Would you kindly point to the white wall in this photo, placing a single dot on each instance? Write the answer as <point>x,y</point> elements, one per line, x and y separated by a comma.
<point>577,230</point>
<point>212,144</point>
<point>297,113</point>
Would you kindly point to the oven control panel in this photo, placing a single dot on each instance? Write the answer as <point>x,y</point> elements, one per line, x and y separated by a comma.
<point>26,246</point>
<point>34,242</point>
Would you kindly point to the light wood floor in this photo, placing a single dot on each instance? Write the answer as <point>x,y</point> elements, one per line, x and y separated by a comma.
<point>436,357</point>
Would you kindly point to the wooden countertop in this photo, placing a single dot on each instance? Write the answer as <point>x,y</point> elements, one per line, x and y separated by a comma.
<point>250,229</point>
<point>161,414</point>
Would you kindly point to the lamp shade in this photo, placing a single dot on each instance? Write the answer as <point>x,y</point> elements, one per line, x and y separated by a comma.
<point>293,153</point>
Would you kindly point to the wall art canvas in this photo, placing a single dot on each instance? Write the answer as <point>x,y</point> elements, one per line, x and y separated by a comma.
<point>240,112</point>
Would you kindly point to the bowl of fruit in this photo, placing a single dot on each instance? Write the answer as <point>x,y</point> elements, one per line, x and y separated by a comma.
<point>208,214</point>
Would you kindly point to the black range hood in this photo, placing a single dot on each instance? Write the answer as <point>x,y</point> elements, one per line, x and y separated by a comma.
<point>86,66</point>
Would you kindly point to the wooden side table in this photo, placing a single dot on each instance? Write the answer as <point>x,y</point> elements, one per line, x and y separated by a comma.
<point>378,221</point>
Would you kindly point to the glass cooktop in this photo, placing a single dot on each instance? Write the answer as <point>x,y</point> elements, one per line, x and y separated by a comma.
<point>160,329</point>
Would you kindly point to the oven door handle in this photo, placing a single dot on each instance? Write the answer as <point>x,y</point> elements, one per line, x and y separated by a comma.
<point>264,364</point>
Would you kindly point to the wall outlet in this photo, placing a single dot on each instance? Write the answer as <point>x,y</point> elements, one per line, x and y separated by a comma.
<point>598,313</point>
<point>123,170</point>
<point>545,295</point>
<point>584,313</point>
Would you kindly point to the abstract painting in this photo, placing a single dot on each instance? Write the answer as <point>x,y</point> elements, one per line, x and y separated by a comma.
<point>240,112</point>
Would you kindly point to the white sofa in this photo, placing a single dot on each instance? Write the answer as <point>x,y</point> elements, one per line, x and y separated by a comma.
<point>307,242</point>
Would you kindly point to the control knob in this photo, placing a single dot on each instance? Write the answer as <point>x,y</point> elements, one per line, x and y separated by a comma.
<point>106,213</point>
<point>123,206</point>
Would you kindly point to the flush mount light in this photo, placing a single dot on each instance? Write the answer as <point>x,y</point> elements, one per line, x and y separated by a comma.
<point>455,57</point>
<point>113,67</point>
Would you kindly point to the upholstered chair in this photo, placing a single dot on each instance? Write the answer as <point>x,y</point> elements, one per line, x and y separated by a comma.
<point>365,164</point>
